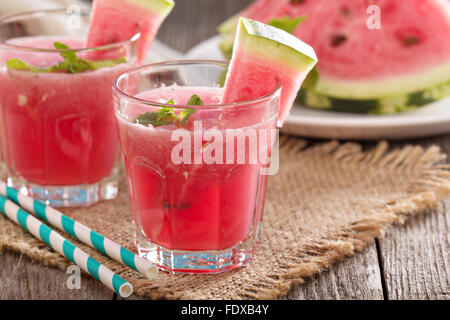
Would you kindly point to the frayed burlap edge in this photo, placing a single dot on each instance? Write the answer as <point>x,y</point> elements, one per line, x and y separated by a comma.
<point>428,191</point>
<point>425,193</point>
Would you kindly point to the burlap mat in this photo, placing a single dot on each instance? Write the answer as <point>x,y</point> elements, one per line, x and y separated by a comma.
<point>326,202</point>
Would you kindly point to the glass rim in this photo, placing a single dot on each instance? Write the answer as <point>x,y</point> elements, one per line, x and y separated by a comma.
<point>11,18</point>
<point>116,88</point>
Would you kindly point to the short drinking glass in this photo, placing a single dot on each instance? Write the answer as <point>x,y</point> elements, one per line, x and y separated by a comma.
<point>57,126</point>
<point>197,171</point>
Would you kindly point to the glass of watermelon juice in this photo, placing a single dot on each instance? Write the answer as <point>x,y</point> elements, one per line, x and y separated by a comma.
<point>58,132</point>
<point>196,168</point>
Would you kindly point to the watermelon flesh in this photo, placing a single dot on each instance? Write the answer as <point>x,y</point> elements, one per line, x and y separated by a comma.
<point>408,57</point>
<point>114,21</point>
<point>263,55</point>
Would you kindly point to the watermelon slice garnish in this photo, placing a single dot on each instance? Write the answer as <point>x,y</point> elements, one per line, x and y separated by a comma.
<point>261,55</point>
<point>402,65</point>
<point>114,21</point>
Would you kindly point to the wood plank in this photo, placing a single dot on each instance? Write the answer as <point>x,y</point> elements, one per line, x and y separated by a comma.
<point>21,279</point>
<point>193,21</point>
<point>355,278</point>
<point>416,257</point>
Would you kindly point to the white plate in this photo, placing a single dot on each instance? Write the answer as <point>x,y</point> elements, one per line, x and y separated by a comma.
<point>426,121</point>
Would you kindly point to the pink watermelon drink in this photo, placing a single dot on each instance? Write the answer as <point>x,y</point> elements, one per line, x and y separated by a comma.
<point>59,126</point>
<point>195,211</point>
<point>58,130</point>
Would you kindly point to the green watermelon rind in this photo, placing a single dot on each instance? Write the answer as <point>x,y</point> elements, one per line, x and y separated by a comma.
<point>226,45</point>
<point>386,105</point>
<point>160,7</point>
<point>393,86</point>
<point>229,26</point>
<point>286,50</point>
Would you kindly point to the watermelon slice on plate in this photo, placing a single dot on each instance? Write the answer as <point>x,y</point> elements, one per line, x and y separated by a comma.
<point>119,20</point>
<point>403,64</point>
<point>261,55</point>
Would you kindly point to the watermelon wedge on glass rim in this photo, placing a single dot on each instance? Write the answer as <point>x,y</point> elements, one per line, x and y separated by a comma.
<point>119,20</point>
<point>262,55</point>
<point>403,64</point>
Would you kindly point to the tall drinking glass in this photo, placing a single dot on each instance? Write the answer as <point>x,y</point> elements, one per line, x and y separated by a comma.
<point>58,132</point>
<point>197,169</point>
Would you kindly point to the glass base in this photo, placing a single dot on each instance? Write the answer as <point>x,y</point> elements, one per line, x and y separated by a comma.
<point>211,261</point>
<point>81,195</point>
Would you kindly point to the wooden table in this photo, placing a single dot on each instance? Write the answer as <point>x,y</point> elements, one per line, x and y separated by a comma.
<point>411,262</point>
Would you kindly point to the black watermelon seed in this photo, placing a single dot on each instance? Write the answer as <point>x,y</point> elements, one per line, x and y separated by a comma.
<point>338,40</point>
<point>346,12</point>
<point>410,41</point>
<point>178,206</point>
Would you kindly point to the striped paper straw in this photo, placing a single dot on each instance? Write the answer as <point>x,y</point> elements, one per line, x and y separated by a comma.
<point>55,241</point>
<point>81,232</point>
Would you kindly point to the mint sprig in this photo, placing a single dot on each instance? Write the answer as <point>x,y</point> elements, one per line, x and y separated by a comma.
<point>166,115</point>
<point>286,23</point>
<point>71,63</point>
<point>195,100</point>
<point>18,64</point>
<point>186,114</point>
<point>162,117</point>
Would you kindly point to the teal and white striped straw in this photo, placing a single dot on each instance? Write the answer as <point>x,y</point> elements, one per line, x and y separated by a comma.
<point>81,232</point>
<point>65,247</point>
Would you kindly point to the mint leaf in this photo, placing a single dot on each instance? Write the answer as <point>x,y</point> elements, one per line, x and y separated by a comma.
<point>166,115</point>
<point>286,23</point>
<point>162,117</point>
<point>146,118</point>
<point>71,63</point>
<point>67,55</point>
<point>186,114</point>
<point>73,66</point>
<point>158,118</point>
<point>195,100</point>
<point>18,64</point>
